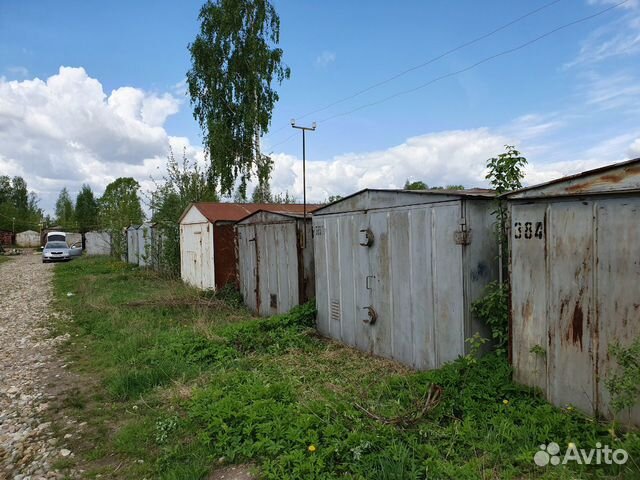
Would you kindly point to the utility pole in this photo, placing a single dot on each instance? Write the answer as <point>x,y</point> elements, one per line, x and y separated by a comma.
<point>304,176</point>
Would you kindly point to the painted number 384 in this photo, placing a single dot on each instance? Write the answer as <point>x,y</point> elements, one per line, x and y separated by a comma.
<point>528,230</point>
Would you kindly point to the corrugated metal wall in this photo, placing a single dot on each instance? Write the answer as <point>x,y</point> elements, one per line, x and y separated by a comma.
<point>133,254</point>
<point>413,278</point>
<point>29,239</point>
<point>98,243</point>
<point>575,267</point>
<point>270,260</point>
<point>146,251</point>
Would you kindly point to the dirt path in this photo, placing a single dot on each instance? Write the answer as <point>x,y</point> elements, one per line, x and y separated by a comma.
<point>29,372</point>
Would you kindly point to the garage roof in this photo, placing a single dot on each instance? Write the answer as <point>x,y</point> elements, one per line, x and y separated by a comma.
<point>623,177</point>
<point>232,212</point>
<point>375,198</point>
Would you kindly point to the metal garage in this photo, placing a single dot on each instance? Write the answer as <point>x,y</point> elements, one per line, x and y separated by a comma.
<point>275,267</point>
<point>575,267</point>
<point>133,253</point>
<point>207,241</point>
<point>397,271</point>
<point>98,243</point>
<point>147,248</point>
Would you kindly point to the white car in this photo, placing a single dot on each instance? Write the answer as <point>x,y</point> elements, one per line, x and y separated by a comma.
<point>55,251</point>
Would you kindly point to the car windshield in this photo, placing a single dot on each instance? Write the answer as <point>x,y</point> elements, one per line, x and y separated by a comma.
<point>51,245</point>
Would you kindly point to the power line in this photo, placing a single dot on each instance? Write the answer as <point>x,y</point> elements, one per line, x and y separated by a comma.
<point>421,65</point>
<point>283,141</point>
<point>476,64</point>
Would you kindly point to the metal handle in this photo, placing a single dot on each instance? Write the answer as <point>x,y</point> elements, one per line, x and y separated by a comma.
<point>367,283</point>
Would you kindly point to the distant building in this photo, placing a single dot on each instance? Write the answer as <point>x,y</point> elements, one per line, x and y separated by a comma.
<point>7,238</point>
<point>28,239</point>
<point>208,240</point>
<point>98,243</point>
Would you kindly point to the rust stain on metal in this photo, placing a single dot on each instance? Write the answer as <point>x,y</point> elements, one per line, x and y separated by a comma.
<point>576,326</point>
<point>608,179</point>
<point>232,212</point>
<point>527,312</point>
<point>224,247</point>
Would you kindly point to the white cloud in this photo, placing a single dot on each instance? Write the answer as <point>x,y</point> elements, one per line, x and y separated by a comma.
<point>325,59</point>
<point>629,4</point>
<point>65,131</point>
<point>450,157</point>
<point>618,38</point>
<point>444,158</point>
<point>613,90</point>
<point>534,125</point>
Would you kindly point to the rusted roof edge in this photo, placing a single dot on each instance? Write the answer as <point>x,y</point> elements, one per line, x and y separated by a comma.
<point>575,176</point>
<point>296,216</point>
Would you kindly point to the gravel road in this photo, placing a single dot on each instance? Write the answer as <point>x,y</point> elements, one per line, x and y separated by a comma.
<point>29,369</point>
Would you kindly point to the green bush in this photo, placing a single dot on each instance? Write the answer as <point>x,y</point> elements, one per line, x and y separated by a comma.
<point>277,334</point>
<point>230,295</point>
<point>624,385</point>
<point>493,309</point>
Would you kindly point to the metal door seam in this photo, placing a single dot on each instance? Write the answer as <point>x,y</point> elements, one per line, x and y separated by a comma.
<point>434,282</point>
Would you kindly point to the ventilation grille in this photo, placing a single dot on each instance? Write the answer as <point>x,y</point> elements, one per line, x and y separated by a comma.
<point>335,310</point>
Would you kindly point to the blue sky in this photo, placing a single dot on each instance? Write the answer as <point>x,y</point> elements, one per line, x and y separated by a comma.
<point>569,101</point>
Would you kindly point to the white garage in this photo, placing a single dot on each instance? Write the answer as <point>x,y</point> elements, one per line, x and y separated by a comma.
<point>208,241</point>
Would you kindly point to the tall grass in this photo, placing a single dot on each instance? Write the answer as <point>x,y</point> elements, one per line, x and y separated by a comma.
<point>197,383</point>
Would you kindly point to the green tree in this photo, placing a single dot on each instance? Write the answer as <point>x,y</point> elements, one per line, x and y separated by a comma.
<point>184,183</point>
<point>417,185</point>
<point>420,185</point>
<point>262,194</point>
<point>283,198</point>
<point>234,62</point>
<point>5,189</point>
<point>19,208</point>
<point>86,209</point>
<point>118,208</point>
<point>505,174</point>
<point>65,212</point>
<point>20,194</point>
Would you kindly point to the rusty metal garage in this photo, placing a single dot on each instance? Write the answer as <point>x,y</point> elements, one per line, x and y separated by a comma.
<point>575,270</point>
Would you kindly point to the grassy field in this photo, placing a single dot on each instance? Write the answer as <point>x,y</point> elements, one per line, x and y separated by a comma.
<point>178,383</point>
